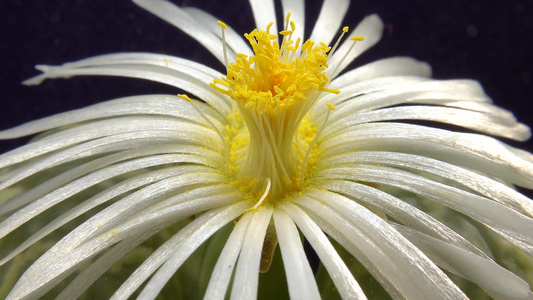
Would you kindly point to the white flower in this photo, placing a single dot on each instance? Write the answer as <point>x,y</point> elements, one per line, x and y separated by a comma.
<point>283,143</point>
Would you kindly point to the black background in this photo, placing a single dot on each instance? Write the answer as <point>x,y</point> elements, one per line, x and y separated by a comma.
<point>490,41</point>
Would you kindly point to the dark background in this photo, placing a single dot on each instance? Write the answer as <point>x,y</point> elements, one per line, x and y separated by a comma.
<point>489,41</point>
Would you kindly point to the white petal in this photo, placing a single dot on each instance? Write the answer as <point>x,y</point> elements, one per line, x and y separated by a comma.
<point>383,251</point>
<point>329,20</point>
<point>494,279</point>
<point>176,16</point>
<point>371,27</point>
<point>168,70</point>
<point>164,105</point>
<point>124,208</point>
<point>103,197</point>
<point>246,278</point>
<point>393,66</point>
<point>138,141</point>
<point>397,209</point>
<point>477,121</point>
<point>297,10</point>
<point>98,268</point>
<point>507,221</point>
<point>67,176</point>
<point>486,186</point>
<point>187,246</point>
<point>54,265</point>
<point>264,13</point>
<point>388,91</point>
<point>300,278</point>
<point>30,211</point>
<point>234,40</point>
<point>198,134</point>
<point>221,276</point>
<point>340,274</point>
<point>474,151</point>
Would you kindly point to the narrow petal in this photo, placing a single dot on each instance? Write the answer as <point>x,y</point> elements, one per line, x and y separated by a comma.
<point>515,227</point>
<point>247,273</point>
<point>103,197</point>
<point>122,209</point>
<point>392,66</point>
<point>84,169</point>
<point>176,16</point>
<point>481,122</point>
<point>397,209</point>
<point>234,40</point>
<point>474,151</point>
<point>32,210</point>
<point>389,91</point>
<point>498,282</point>
<point>198,134</point>
<point>383,250</point>
<point>33,283</point>
<point>162,105</point>
<point>297,10</point>
<point>264,13</point>
<point>371,28</point>
<point>482,184</point>
<point>300,278</point>
<point>168,70</point>
<point>329,20</point>
<point>182,251</point>
<point>140,140</point>
<point>221,276</point>
<point>340,274</point>
<point>98,268</point>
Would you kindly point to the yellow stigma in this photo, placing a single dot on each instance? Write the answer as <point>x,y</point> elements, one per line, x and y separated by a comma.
<point>273,91</point>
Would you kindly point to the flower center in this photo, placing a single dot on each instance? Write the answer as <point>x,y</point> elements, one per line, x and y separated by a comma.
<point>270,137</point>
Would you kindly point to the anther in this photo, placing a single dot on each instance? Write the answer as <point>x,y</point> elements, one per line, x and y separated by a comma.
<point>304,163</point>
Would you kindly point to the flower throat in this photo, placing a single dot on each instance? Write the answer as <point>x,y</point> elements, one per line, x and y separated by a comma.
<point>271,141</point>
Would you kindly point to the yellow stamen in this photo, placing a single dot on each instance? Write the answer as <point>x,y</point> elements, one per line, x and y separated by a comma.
<point>223,26</point>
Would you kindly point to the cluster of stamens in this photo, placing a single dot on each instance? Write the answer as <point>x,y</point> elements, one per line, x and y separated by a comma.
<point>270,142</point>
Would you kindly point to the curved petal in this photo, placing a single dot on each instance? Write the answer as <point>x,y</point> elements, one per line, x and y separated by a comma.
<point>491,277</point>
<point>474,151</point>
<point>329,20</point>
<point>221,276</point>
<point>179,253</point>
<point>177,72</point>
<point>234,40</point>
<point>264,13</point>
<point>176,16</point>
<point>382,249</point>
<point>198,134</point>
<point>387,67</point>
<point>482,184</point>
<point>160,105</point>
<point>371,28</point>
<point>247,273</point>
<point>481,122</point>
<point>340,274</point>
<point>514,226</point>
